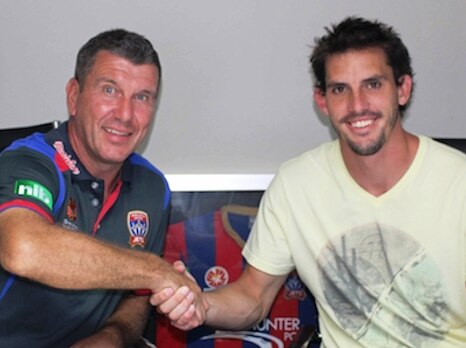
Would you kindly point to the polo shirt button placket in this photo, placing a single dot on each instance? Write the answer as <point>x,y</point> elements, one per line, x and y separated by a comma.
<point>95,187</point>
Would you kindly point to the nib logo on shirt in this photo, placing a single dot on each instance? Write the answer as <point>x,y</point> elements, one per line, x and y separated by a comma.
<point>29,188</point>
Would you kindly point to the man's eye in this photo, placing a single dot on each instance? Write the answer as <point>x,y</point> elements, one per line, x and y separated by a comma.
<point>338,89</point>
<point>142,97</point>
<point>374,84</point>
<point>109,89</point>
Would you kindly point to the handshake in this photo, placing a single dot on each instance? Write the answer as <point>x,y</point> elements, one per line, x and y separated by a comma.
<point>237,306</point>
<point>181,300</point>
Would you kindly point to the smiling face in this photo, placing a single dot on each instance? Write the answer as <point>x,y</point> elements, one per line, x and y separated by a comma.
<point>111,111</point>
<point>362,99</point>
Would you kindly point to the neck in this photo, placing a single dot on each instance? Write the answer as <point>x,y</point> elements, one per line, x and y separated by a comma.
<point>108,172</point>
<point>110,182</point>
<point>110,176</point>
<point>379,172</point>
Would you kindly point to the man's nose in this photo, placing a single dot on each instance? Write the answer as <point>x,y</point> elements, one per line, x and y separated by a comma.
<point>124,110</point>
<point>358,102</point>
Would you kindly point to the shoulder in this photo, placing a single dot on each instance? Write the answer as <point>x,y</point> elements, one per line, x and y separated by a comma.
<point>307,172</point>
<point>443,153</point>
<point>312,162</point>
<point>32,152</point>
<point>34,143</point>
<point>442,164</point>
<point>148,178</point>
<point>137,161</point>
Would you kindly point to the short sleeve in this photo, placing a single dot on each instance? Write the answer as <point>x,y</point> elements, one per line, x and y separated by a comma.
<point>28,179</point>
<point>267,247</point>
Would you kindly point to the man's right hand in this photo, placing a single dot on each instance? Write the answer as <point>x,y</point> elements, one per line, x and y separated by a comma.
<point>186,309</point>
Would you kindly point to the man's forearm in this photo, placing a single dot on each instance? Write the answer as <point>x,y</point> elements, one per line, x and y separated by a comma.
<point>244,303</point>
<point>236,306</point>
<point>230,309</point>
<point>35,249</point>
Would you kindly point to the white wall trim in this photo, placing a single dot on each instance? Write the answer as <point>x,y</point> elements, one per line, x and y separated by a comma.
<point>219,182</point>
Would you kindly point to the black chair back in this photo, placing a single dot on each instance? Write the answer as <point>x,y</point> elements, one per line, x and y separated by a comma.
<point>8,135</point>
<point>457,143</point>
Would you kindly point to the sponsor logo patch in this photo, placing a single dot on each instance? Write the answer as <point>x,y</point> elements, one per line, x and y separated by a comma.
<point>71,163</point>
<point>138,225</point>
<point>32,189</point>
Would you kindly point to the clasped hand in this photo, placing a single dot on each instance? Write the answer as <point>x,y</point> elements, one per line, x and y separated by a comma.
<point>186,309</point>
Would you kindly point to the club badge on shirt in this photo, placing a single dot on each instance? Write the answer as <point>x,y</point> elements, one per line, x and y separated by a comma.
<point>71,210</point>
<point>138,225</point>
<point>70,220</point>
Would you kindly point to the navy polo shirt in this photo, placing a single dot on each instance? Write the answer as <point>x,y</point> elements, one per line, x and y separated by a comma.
<point>42,173</point>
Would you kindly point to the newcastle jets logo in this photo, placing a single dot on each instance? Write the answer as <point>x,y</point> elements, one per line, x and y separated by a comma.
<point>138,225</point>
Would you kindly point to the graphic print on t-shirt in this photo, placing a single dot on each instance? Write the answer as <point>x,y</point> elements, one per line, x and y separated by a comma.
<point>383,288</point>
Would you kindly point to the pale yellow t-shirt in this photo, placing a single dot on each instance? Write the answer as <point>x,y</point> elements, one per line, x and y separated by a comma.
<point>385,271</point>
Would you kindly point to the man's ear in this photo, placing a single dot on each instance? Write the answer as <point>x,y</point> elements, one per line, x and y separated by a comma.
<point>319,98</point>
<point>405,86</point>
<point>72,93</point>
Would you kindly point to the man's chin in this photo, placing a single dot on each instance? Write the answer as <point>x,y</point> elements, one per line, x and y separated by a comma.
<point>367,149</point>
<point>115,159</point>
